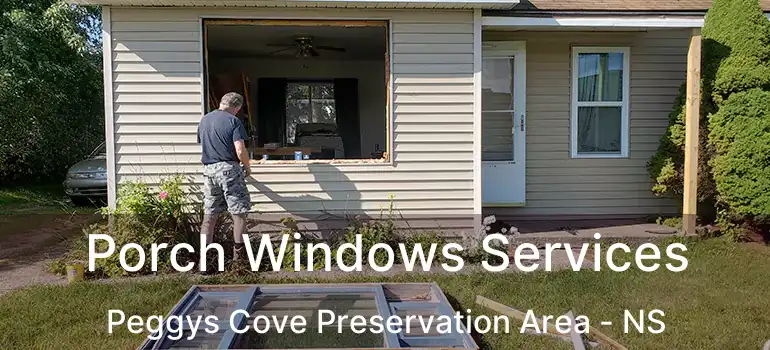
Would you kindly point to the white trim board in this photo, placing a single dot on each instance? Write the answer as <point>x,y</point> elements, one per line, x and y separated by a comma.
<point>595,22</point>
<point>477,127</point>
<point>109,113</point>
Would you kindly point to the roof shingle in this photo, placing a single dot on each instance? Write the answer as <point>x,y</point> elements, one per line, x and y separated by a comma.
<point>621,5</point>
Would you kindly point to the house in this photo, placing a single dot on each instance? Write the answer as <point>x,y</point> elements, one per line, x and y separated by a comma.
<point>448,109</point>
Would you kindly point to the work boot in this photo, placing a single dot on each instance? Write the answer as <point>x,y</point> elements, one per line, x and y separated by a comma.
<point>240,262</point>
<point>212,266</point>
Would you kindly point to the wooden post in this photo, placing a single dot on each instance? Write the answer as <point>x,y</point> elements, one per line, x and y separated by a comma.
<point>691,122</point>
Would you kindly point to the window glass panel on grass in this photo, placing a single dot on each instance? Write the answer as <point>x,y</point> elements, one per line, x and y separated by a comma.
<point>308,103</point>
<point>600,102</point>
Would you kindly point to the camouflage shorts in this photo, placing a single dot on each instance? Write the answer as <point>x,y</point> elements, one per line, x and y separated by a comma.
<point>224,186</point>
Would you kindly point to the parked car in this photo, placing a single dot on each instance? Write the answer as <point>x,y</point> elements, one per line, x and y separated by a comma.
<point>86,181</point>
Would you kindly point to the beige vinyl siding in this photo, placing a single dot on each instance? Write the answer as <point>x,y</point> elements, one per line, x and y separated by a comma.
<point>158,103</point>
<point>560,186</point>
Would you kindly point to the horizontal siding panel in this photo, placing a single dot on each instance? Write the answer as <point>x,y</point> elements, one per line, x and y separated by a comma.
<point>158,118</point>
<point>419,27</point>
<point>343,205</point>
<point>400,48</point>
<point>431,157</point>
<point>564,178</point>
<point>586,171</point>
<point>593,203</point>
<point>319,177</point>
<point>434,98</point>
<point>159,87</point>
<point>156,129</point>
<point>434,108</point>
<point>157,78</point>
<point>589,187</point>
<point>433,80</point>
<point>427,127</point>
<point>158,108</point>
<point>144,149</point>
<point>435,68</point>
<point>188,138</point>
<point>152,26</point>
<point>433,89</point>
<point>454,147</point>
<point>458,137</point>
<point>158,98</point>
<point>120,57</point>
<point>193,36</point>
<point>420,186</point>
<point>439,118</point>
<point>556,212</point>
<point>170,158</point>
<point>594,195</point>
<point>424,38</point>
<point>383,195</point>
<point>157,46</point>
<point>432,59</point>
<point>160,67</point>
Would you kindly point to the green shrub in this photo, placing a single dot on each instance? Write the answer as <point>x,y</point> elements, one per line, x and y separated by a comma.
<point>735,57</point>
<point>740,132</point>
<point>736,48</point>
<point>666,167</point>
<point>143,217</point>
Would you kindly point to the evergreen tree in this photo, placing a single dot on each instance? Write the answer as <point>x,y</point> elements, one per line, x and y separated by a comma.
<point>734,58</point>
<point>740,129</point>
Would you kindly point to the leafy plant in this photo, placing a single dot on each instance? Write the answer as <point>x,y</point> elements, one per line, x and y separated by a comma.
<point>143,217</point>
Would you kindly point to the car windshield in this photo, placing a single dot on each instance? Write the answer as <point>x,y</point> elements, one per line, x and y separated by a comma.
<point>99,152</point>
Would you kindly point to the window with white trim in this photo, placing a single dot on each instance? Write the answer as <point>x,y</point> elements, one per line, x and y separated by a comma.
<point>600,100</point>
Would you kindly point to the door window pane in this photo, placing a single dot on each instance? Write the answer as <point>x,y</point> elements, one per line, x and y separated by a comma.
<point>497,142</point>
<point>497,84</point>
<point>599,130</point>
<point>497,105</point>
<point>600,76</point>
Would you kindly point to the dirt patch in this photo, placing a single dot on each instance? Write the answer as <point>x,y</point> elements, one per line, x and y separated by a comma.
<point>25,235</point>
<point>28,242</point>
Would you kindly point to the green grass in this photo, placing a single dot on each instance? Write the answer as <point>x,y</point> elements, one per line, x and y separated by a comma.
<point>47,198</point>
<point>35,207</point>
<point>720,302</point>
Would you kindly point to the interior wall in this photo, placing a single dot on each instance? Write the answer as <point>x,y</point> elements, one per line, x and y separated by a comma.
<point>371,85</point>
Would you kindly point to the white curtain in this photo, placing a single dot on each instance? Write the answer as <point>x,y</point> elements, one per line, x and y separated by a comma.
<point>600,79</point>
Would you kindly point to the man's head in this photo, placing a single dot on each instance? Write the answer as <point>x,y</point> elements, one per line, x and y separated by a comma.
<point>231,102</point>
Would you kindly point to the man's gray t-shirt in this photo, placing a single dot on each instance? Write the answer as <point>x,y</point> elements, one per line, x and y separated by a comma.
<point>217,132</point>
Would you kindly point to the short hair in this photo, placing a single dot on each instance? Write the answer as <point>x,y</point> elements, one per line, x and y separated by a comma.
<point>231,100</point>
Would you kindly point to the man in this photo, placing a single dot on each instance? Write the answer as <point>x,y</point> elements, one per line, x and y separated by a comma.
<point>225,168</point>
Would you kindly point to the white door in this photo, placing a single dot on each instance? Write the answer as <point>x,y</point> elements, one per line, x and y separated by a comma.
<point>503,124</point>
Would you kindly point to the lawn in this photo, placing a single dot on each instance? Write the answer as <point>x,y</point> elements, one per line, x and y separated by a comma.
<point>35,217</point>
<point>719,302</point>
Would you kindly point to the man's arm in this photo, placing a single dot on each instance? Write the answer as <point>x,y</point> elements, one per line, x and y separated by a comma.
<point>239,137</point>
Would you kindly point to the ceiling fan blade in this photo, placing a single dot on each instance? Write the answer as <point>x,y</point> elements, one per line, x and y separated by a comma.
<point>281,50</point>
<point>314,52</point>
<point>331,48</point>
<point>280,45</point>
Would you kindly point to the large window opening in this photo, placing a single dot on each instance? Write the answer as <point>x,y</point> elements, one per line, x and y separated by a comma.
<point>315,91</point>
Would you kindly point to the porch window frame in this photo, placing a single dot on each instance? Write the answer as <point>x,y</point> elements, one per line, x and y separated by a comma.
<point>385,22</point>
<point>624,104</point>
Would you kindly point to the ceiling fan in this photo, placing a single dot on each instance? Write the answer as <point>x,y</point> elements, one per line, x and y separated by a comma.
<point>305,47</point>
